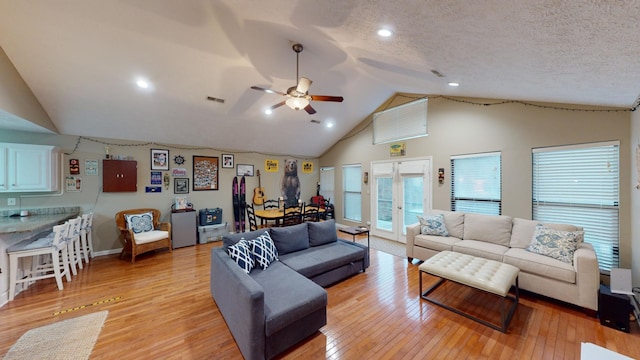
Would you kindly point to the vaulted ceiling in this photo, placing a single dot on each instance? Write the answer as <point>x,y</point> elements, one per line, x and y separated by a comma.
<point>82,59</point>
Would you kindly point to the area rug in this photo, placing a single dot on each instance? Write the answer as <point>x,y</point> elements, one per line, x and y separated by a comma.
<point>67,339</point>
<point>384,245</point>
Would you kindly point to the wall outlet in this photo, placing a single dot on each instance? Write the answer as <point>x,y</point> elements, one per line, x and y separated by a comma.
<point>11,202</point>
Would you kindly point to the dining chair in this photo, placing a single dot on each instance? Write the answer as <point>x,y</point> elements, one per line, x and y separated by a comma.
<point>56,265</point>
<point>270,204</point>
<point>311,212</point>
<point>292,215</point>
<point>251,216</point>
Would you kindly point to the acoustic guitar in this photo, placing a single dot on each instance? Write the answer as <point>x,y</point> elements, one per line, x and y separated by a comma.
<point>258,193</point>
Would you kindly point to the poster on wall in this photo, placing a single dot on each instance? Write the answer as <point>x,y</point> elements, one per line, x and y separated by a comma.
<point>307,167</point>
<point>271,165</point>
<point>91,167</point>
<point>73,183</point>
<point>74,166</point>
<point>205,173</point>
<point>156,178</point>
<point>397,149</point>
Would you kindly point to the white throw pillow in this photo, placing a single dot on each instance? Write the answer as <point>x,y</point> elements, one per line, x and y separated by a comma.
<point>557,244</point>
<point>433,225</point>
<point>140,222</point>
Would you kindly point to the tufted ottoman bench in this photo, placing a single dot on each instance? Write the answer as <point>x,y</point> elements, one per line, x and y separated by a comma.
<point>487,275</point>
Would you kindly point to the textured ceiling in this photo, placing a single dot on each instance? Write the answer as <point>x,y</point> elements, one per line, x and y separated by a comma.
<point>81,59</point>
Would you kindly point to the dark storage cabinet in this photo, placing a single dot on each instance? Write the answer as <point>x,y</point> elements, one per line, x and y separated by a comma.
<point>119,175</point>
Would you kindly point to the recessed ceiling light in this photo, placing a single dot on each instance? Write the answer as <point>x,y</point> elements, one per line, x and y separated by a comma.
<point>143,84</point>
<point>454,84</point>
<point>385,32</point>
<point>329,124</point>
<point>268,112</point>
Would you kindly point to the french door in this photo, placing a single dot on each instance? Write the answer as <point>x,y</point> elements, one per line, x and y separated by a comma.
<point>400,191</point>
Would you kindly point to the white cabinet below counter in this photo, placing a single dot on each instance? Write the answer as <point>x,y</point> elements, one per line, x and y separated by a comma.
<point>29,168</point>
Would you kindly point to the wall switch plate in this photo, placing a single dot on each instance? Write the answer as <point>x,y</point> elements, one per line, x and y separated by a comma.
<point>11,202</point>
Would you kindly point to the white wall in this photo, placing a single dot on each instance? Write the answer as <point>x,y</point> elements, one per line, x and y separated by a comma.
<point>635,198</point>
<point>457,127</point>
<point>105,205</point>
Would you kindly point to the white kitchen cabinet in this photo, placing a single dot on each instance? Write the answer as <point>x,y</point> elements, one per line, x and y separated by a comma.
<point>30,168</point>
<point>4,181</point>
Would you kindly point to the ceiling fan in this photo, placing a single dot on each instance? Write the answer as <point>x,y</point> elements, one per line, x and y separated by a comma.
<point>298,95</point>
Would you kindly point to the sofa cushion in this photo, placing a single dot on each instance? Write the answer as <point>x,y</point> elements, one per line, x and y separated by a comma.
<point>522,231</point>
<point>241,253</point>
<point>432,225</point>
<point>150,236</point>
<point>433,242</point>
<point>322,232</point>
<point>320,259</point>
<point>453,220</point>
<point>481,248</point>
<point>557,244</point>
<point>264,250</point>
<point>290,238</point>
<point>540,265</point>
<point>288,296</point>
<point>230,239</point>
<point>494,229</point>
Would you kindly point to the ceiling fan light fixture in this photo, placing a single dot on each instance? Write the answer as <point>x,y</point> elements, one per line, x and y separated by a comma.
<point>297,103</point>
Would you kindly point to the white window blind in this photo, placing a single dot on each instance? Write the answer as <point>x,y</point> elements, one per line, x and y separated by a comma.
<point>327,176</point>
<point>401,122</point>
<point>352,192</point>
<point>476,183</point>
<point>580,185</point>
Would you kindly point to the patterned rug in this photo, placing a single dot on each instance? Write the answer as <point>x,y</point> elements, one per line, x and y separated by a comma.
<point>69,339</point>
<point>384,245</point>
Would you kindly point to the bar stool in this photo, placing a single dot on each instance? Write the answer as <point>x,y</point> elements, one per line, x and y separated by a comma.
<point>73,244</point>
<point>54,246</point>
<point>86,239</point>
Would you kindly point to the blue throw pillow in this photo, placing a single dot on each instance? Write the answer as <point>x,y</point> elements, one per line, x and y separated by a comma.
<point>264,250</point>
<point>241,253</point>
<point>139,222</point>
<point>433,225</point>
<point>557,244</point>
<point>290,238</point>
<point>322,232</point>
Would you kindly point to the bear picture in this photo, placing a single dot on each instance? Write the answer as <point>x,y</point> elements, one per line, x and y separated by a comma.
<point>290,186</point>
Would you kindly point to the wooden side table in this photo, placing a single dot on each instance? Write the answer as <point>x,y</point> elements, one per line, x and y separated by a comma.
<point>356,230</point>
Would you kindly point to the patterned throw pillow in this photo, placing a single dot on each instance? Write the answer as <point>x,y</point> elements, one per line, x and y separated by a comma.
<point>241,253</point>
<point>264,250</point>
<point>557,244</point>
<point>433,225</point>
<point>140,222</point>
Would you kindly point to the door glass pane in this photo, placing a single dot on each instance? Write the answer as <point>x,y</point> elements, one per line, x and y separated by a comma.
<point>385,203</point>
<point>413,190</point>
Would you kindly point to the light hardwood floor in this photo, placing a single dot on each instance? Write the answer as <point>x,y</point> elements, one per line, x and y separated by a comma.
<point>160,308</point>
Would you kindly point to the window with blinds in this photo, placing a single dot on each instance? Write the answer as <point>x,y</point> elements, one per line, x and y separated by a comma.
<point>580,185</point>
<point>476,183</point>
<point>401,122</point>
<point>352,188</point>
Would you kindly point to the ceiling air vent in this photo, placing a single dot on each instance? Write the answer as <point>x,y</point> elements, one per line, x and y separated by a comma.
<point>215,99</point>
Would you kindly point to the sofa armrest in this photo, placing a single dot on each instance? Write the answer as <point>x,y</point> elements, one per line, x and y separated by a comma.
<point>240,299</point>
<point>587,270</point>
<point>412,231</point>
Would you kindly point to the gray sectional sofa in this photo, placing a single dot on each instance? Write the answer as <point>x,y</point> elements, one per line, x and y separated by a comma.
<point>268,311</point>
<point>503,238</point>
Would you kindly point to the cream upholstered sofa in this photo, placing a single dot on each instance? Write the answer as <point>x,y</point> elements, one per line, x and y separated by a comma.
<point>502,238</point>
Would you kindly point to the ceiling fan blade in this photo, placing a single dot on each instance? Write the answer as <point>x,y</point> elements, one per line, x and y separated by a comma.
<point>326,98</point>
<point>310,110</point>
<point>268,90</point>
<point>278,105</point>
<point>303,85</point>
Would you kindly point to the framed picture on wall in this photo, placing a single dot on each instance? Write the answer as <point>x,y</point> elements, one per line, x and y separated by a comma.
<point>227,161</point>
<point>244,170</point>
<point>205,173</point>
<point>159,159</point>
<point>181,186</point>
